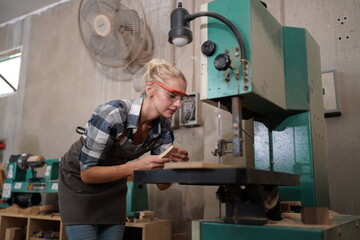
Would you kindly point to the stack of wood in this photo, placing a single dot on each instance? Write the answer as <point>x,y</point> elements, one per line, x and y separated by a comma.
<point>34,210</point>
<point>45,235</point>
<point>145,216</point>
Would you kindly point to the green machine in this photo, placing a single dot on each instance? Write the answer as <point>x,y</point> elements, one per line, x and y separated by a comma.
<point>136,199</point>
<point>278,85</point>
<point>269,75</point>
<point>23,186</point>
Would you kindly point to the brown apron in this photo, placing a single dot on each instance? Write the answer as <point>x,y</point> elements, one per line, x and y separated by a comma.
<point>105,203</point>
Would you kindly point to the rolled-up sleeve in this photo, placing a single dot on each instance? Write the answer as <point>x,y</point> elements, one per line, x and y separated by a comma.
<point>104,126</point>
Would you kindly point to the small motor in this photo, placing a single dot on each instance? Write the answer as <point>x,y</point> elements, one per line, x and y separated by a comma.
<point>26,199</point>
<point>26,161</point>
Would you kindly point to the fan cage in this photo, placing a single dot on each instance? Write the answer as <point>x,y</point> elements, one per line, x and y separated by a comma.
<point>128,31</point>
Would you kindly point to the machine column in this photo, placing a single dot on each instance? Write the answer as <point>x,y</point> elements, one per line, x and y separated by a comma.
<point>236,110</point>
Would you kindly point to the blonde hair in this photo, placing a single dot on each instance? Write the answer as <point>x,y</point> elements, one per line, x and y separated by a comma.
<point>161,71</point>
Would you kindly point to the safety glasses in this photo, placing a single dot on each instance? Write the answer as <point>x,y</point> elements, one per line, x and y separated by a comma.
<point>172,94</point>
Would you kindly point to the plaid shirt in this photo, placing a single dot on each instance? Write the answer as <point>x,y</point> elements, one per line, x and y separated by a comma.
<point>109,121</point>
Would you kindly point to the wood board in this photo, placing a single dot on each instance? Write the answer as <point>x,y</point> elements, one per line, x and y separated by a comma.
<point>172,149</point>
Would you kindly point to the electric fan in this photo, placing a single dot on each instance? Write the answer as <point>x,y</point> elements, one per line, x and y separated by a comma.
<point>115,32</point>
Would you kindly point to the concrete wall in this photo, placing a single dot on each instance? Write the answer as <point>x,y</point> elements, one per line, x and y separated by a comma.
<point>60,85</point>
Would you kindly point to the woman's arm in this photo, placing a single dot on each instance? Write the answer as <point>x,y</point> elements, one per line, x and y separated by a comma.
<point>104,174</point>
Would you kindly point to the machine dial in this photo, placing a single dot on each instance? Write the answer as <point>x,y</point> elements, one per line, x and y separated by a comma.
<point>222,62</point>
<point>208,48</point>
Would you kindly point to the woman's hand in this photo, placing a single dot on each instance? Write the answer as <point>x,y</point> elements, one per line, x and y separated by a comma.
<point>180,156</point>
<point>151,162</point>
<point>154,162</point>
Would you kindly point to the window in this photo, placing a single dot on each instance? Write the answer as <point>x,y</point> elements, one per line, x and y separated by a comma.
<point>9,72</point>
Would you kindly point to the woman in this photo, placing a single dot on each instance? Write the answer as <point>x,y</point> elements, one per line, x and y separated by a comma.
<point>93,173</point>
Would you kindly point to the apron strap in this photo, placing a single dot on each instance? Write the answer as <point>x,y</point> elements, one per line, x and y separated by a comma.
<point>80,130</point>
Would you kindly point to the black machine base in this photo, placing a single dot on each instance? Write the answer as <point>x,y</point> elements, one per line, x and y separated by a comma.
<point>250,195</point>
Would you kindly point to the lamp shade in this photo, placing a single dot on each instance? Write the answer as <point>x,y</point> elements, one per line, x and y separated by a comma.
<point>180,33</point>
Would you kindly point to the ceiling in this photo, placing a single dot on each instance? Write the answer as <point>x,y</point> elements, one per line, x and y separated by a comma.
<point>11,9</point>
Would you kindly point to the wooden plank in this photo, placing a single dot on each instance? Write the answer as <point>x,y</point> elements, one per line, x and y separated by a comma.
<point>14,233</point>
<point>185,165</point>
<point>315,216</point>
<point>172,149</point>
<point>158,230</point>
<point>51,217</point>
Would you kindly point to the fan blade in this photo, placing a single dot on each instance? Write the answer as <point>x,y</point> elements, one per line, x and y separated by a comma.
<point>113,53</point>
<point>96,44</point>
<point>121,49</point>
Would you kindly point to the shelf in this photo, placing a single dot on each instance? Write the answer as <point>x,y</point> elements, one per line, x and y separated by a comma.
<point>159,229</point>
<point>32,224</point>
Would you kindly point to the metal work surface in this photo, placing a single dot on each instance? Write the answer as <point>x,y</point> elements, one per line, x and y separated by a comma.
<point>218,176</point>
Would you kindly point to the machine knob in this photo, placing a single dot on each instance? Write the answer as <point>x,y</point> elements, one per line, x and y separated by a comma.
<point>222,62</point>
<point>208,48</point>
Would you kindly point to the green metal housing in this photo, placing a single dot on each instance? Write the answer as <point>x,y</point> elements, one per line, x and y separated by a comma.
<point>264,92</point>
<point>136,199</point>
<point>283,93</point>
<point>343,227</point>
<point>297,144</point>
